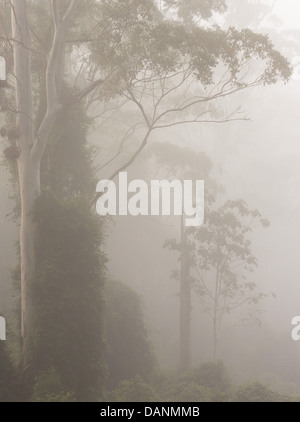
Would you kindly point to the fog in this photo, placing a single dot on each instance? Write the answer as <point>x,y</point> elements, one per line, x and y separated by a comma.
<point>220,117</point>
<point>258,161</point>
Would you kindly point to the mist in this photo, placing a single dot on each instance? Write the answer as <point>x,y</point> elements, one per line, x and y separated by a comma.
<point>204,91</point>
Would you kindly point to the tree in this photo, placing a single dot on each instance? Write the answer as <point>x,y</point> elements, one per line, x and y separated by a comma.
<point>32,140</point>
<point>183,163</point>
<point>38,69</point>
<point>66,334</point>
<point>66,337</point>
<point>129,350</point>
<point>222,258</point>
<point>256,392</point>
<point>131,46</point>
<point>178,80</point>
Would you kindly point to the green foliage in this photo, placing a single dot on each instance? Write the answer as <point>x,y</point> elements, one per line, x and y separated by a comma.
<point>67,341</point>
<point>208,383</point>
<point>134,35</point>
<point>214,376</point>
<point>189,392</point>
<point>174,387</point>
<point>67,292</point>
<point>67,296</point>
<point>48,388</point>
<point>212,386</point>
<point>129,352</point>
<point>66,165</point>
<point>131,38</point>
<point>7,375</point>
<point>135,390</point>
<point>222,256</point>
<point>256,392</point>
<point>139,40</point>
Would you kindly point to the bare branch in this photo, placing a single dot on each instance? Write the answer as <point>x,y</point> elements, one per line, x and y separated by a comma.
<point>127,135</point>
<point>55,12</point>
<point>86,91</point>
<point>128,162</point>
<point>32,50</point>
<point>70,10</point>
<point>140,106</point>
<point>201,121</point>
<point>53,103</point>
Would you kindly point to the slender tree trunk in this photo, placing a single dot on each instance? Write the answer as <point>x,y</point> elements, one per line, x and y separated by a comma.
<point>28,164</point>
<point>215,337</point>
<point>215,316</point>
<point>32,141</point>
<point>28,171</point>
<point>185,305</point>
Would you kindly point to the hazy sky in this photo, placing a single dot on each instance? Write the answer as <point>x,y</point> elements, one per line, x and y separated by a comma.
<point>289,12</point>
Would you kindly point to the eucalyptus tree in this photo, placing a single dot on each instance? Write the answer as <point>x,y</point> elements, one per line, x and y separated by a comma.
<point>183,163</point>
<point>108,50</point>
<point>222,258</point>
<point>36,40</point>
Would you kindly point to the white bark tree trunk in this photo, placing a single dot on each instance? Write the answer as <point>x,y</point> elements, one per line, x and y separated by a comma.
<point>32,141</point>
<point>28,165</point>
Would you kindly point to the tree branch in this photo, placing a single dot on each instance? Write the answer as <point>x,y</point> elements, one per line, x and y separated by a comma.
<point>53,102</point>
<point>86,91</point>
<point>55,12</point>
<point>70,10</point>
<point>127,163</point>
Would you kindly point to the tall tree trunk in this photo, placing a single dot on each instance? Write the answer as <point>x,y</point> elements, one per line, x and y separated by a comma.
<point>30,190</point>
<point>215,336</point>
<point>215,315</point>
<point>28,164</point>
<point>185,305</point>
<point>32,141</point>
